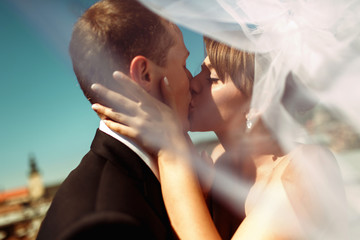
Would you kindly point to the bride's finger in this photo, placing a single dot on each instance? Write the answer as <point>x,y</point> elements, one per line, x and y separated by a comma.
<point>168,95</point>
<point>131,87</point>
<point>138,94</point>
<point>122,129</point>
<point>118,75</point>
<point>101,116</point>
<point>109,113</point>
<point>113,99</point>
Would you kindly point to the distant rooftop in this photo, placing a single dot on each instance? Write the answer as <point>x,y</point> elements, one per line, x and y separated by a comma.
<point>14,194</point>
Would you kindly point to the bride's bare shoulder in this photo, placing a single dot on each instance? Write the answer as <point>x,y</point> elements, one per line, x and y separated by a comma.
<point>313,174</point>
<point>311,159</point>
<point>313,151</point>
<point>313,183</point>
<point>313,167</point>
<point>308,172</point>
<point>312,170</point>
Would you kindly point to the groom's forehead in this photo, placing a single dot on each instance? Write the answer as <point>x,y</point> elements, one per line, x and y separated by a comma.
<point>178,38</point>
<point>173,30</point>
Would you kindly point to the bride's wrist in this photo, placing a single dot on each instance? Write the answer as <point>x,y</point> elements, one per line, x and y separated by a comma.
<point>177,151</point>
<point>174,152</point>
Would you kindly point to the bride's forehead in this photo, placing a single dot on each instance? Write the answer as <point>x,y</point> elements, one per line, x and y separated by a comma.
<point>207,62</point>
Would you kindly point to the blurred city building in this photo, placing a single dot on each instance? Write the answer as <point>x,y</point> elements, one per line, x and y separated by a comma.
<point>22,209</point>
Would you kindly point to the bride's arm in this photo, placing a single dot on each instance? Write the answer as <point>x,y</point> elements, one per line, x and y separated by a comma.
<point>183,197</point>
<point>181,190</point>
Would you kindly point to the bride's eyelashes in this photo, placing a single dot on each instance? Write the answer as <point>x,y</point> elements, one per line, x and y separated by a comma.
<point>213,77</point>
<point>213,80</point>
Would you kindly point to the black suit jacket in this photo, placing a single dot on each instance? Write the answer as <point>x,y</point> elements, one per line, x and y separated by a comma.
<point>112,194</point>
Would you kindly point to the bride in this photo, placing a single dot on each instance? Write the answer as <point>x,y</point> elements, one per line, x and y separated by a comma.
<point>284,193</point>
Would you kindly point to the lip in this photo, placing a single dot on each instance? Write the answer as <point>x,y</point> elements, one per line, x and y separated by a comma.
<point>191,109</point>
<point>189,100</point>
<point>191,105</point>
<point>192,102</point>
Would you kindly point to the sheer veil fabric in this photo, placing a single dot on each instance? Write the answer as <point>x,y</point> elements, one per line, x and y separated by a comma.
<point>307,66</point>
<point>310,47</point>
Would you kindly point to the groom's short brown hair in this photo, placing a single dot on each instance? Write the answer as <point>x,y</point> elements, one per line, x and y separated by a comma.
<point>109,35</point>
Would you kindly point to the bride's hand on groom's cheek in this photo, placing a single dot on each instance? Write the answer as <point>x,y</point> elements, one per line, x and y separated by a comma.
<point>150,133</point>
<point>143,118</point>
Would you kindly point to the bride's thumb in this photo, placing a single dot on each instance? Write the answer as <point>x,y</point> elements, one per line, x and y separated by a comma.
<point>168,94</point>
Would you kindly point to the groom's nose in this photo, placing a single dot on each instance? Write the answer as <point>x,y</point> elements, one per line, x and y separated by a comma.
<point>189,75</point>
<point>195,85</point>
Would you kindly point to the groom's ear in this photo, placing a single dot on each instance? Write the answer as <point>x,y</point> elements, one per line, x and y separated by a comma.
<point>142,72</point>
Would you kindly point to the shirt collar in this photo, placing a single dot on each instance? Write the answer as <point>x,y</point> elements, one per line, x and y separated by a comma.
<point>133,146</point>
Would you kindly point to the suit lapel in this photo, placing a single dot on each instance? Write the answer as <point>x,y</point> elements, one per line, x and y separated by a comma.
<point>126,160</point>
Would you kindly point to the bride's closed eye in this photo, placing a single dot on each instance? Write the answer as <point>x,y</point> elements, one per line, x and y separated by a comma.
<point>213,80</point>
<point>213,77</point>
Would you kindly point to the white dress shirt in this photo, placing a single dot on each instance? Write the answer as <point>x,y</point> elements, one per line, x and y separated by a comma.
<point>133,146</point>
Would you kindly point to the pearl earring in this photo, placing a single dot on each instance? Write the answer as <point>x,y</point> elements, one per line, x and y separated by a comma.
<point>249,123</point>
<point>250,119</point>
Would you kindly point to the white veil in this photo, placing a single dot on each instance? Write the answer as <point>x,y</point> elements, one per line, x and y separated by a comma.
<point>317,41</point>
<point>307,71</point>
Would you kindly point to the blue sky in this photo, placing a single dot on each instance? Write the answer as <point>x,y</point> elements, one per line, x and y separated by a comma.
<point>43,111</point>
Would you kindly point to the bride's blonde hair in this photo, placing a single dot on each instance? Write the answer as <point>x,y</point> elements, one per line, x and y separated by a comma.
<point>238,65</point>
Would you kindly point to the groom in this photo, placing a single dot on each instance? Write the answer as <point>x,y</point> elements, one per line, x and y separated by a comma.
<point>115,191</point>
